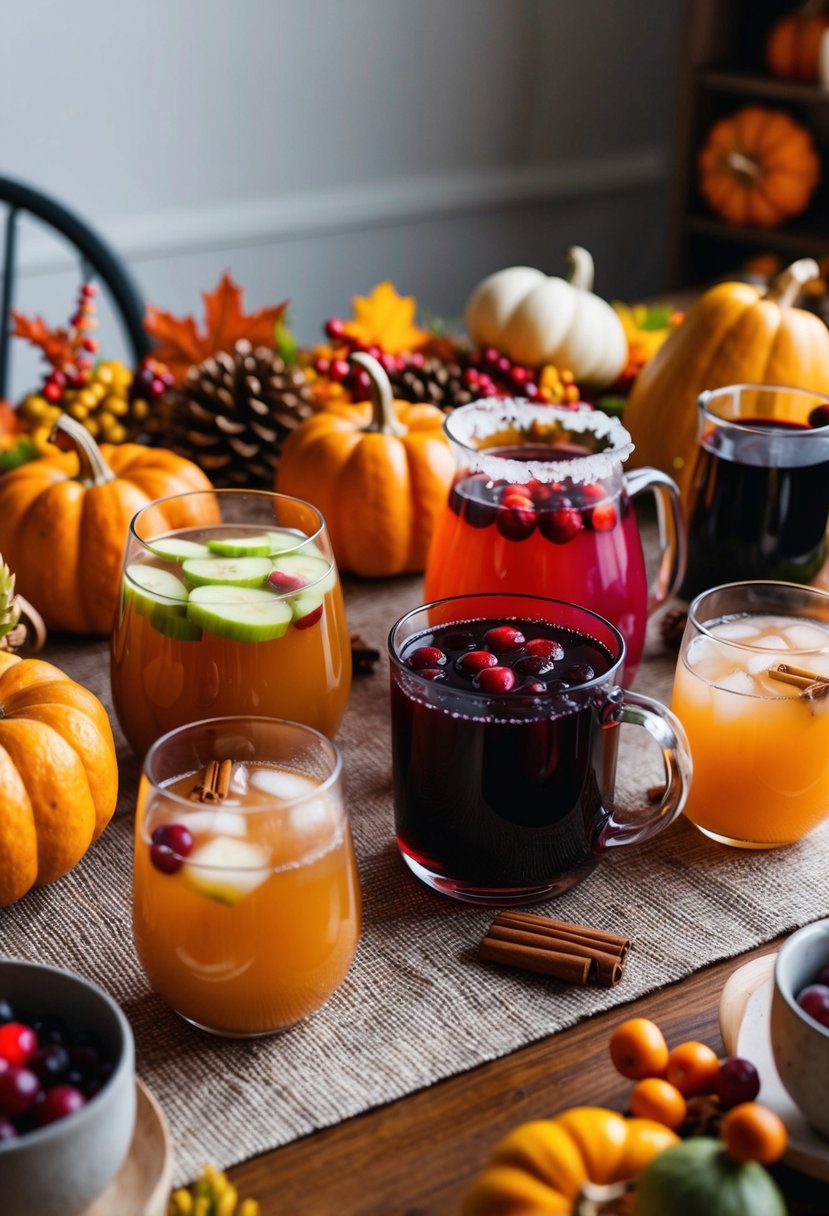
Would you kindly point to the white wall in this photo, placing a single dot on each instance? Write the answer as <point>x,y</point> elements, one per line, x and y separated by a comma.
<point>316,147</point>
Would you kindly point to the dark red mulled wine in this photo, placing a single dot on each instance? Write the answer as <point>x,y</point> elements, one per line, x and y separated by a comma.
<point>501,763</point>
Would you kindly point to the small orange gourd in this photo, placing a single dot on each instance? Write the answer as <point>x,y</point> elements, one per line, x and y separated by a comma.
<point>379,472</point>
<point>546,1166</point>
<point>58,774</point>
<point>758,167</point>
<point>735,333</point>
<point>64,520</point>
<point>793,44</point>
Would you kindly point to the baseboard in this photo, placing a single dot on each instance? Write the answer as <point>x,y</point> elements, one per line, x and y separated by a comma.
<point>339,209</point>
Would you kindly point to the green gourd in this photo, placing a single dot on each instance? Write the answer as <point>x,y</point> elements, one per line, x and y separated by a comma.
<point>698,1178</point>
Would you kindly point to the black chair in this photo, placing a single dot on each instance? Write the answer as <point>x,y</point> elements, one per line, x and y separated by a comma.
<point>97,262</point>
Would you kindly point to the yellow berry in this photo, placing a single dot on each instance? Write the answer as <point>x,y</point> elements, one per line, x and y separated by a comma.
<point>140,409</point>
<point>104,373</point>
<point>99,391</point>
<point>86,399</point>
<point>92,426</point>
<point>117,433</point>
<point>118,406</point>
<point>77,410</point>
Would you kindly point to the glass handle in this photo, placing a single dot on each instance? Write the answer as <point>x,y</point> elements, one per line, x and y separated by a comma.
<point>666,729</point>
<point>672,544</point>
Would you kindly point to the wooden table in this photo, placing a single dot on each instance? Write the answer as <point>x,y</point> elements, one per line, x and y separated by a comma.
<point>417,1156</point>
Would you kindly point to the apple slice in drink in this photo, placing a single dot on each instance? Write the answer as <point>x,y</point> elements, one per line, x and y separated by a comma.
<point>227,572</point>
<point>151,589</point>
<point>177,548</point>
<point>259,545</point>
<point>241,614</point>
<point>314,569</point>
<point>227,869</point>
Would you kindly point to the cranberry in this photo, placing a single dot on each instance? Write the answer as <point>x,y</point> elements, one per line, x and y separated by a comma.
<point>432,673</point>
<point>517,496</point>
<point>335,328</point>
<point>578,673</point>
<point>18,1043</point>
<point>534,665</point>
<point>476,660</point>
<point>602,518</point>
<point>426,656</point>
<point>7,1130</point>
<point>176,837</point>
<point>286,582</point>
<point>516,523</point>
<point>819,416</point>
<point>591,493</point>
<point>50,1063</point>
<point>546,647</point>
<point>164,859</point>
<point>560,526</point>
<point>59,1102</point>
<point>504,639</point>
<point>459,639</point>
<point>736,1082</point>
<point>535,687</point>
<point>19,1088</point>
<point>496,679</point>
<point>814,1000</point>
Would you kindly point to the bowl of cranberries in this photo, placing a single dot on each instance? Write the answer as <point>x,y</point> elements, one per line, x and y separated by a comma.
<point>800,1021</point>
<point>67,1090</point>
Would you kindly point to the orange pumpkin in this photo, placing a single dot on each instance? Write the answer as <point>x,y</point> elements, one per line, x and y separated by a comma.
<point>758,167</point>
<point>793,45</point>
<point>58,774</point>
<point>379,472</point>
<point>64,522</point>
<point>735,333</point>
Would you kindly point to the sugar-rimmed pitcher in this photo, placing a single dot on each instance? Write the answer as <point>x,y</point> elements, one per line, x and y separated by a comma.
<point>540,505</point>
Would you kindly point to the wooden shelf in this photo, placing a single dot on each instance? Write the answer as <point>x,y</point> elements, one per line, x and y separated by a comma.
<point>802,242</point>
<point>746,84</point>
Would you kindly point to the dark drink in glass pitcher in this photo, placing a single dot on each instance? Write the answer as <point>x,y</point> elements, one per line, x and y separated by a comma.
<point>760,488</point>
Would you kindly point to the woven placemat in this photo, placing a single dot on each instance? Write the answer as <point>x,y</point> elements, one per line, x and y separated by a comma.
<point>416,1006</point>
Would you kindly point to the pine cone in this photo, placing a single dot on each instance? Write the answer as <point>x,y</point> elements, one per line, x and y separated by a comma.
<point>233,412</point>
<point>425,378</point>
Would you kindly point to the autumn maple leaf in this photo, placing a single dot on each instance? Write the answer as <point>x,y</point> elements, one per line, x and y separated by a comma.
<point>387,320</point>
<point>180,344</point>
<point>55,344</point>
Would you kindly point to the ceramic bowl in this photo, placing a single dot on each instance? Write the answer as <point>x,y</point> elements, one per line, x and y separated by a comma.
<point>799,1043</point>
<point>59,1169</point>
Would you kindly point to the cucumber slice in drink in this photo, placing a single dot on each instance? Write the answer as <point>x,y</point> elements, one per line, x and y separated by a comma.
<point>177,549</point>
<point>241,546</point>
<point>227,572</point>
<point>241,614</point>
<point>152,589</point>
<point>315,570</point>
<point>174,624</point>
<point>227,869</point>
<point>285,540</point>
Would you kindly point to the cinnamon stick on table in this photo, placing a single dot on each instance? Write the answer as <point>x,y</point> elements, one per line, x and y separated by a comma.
<point>576,954</point>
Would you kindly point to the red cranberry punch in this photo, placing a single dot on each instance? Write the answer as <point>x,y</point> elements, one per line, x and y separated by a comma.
<point>505,712</point>
<point>540,505</point>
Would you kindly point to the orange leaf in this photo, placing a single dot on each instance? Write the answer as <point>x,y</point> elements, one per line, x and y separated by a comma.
<point>55,344</point>
<point>386,319</point>
<point>179,343</point>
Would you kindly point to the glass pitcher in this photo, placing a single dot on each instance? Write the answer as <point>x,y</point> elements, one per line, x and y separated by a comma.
<point>540,506</point>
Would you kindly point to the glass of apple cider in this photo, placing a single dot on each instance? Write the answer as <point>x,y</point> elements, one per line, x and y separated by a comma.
<point>752,691</point>
<point>246,900</point>
<point>241,615</point>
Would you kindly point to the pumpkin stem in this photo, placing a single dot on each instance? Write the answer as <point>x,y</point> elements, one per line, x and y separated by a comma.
<point>580,268</point>
<point>743,167</point>
<point>383,419</point>
<point>593,1196</point>
<point>790,282</point>
<point>92,468</point>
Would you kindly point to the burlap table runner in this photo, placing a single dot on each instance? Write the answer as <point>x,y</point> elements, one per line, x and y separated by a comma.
<point>416,1006</point>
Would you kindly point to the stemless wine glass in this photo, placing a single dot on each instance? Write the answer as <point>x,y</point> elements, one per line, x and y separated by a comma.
<point>540,504</point>
<point>759,736</point>
<point>243,614</point>
<point>246,911</point>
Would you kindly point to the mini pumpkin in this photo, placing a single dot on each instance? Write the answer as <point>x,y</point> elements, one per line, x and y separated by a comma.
<point>735,333</point>
<point>64,520</point>
<point>536,320</point>
<point>58,774</point>
<point>758,167</point>
<point>545,1166</point>
<point>699,1176</point>
<point>379,472</point>
<point>793,44</point>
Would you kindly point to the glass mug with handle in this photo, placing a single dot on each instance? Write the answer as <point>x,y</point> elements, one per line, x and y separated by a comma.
<point>540,505</point>
<point>760,487</point>
<point>505,711</point>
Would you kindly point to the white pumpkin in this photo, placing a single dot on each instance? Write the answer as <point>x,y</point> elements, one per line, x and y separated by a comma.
<point>535,320</point>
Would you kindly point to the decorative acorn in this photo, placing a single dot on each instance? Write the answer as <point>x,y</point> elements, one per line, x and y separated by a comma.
<point>233,412</point>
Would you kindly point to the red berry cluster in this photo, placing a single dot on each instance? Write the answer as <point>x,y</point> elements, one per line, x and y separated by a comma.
<point>47,1071</point>
<point>72,368</point>
<point>151,381</point>
<point>170,843</point>
<point>558,512</point>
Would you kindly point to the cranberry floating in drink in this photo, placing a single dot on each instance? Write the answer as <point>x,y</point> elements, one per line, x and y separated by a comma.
<point>540,506</point>
<point>504,739</point>
<point>760,488</point>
